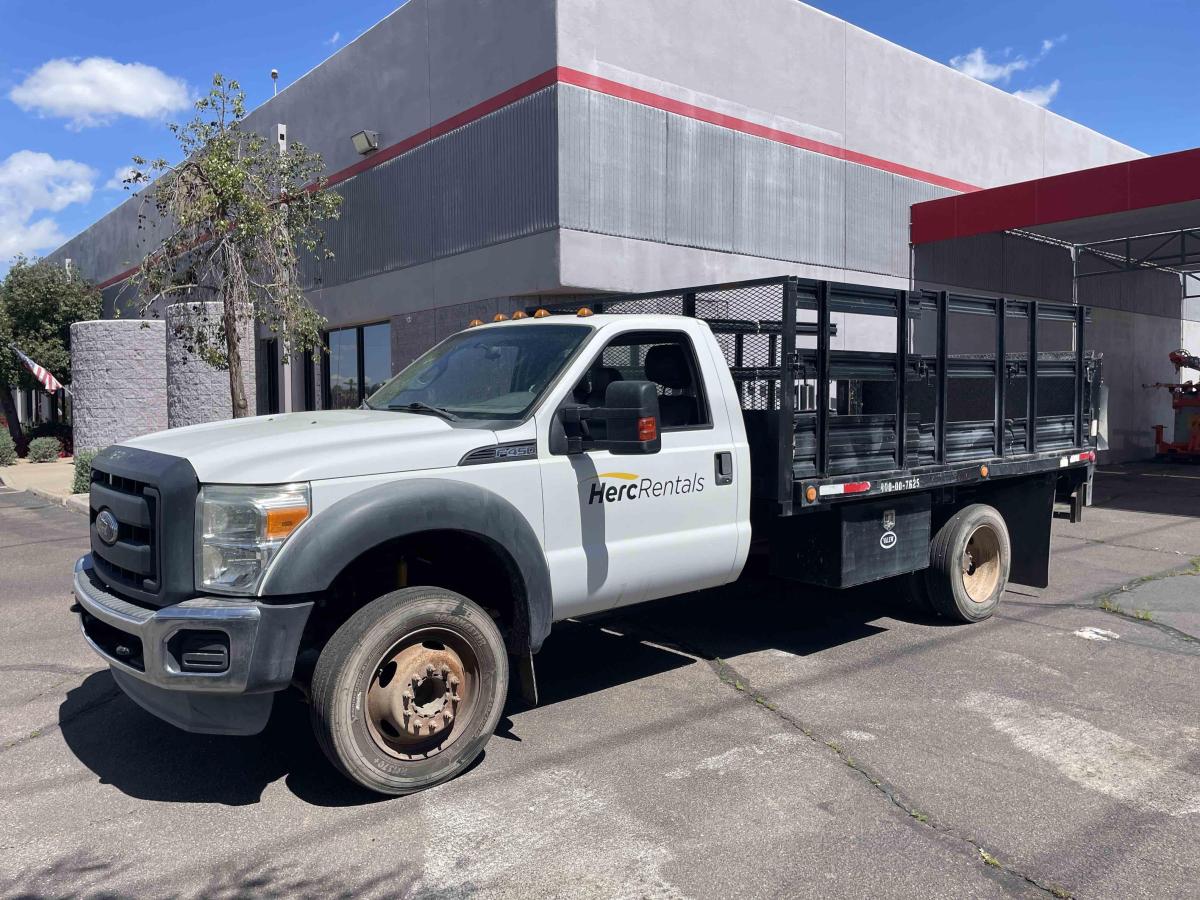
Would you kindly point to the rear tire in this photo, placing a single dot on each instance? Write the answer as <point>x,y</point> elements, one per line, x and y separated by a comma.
<point>969,562</point>
<point>409,689</point>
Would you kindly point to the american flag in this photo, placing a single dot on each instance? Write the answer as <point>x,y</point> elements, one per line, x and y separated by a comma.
<point>49,382</point>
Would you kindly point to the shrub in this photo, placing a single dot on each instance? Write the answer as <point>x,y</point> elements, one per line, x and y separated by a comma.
<point>60,430</point>
<point>83,472</point>
<point>8,450</point>
<point>44,449</point>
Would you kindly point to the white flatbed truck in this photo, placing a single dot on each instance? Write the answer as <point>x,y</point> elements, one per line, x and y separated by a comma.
<point>396,561</point>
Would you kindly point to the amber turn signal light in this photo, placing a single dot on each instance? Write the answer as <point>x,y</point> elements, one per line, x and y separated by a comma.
<point>983,471</point>
<point>810,494</point>
<point>283,520</point>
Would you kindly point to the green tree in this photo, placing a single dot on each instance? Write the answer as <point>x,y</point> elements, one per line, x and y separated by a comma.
<point>39,301</point>
<point>231,223</point>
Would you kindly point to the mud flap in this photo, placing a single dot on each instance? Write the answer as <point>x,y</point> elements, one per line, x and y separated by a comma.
<point>1028,509</point>
<point>526,678</point>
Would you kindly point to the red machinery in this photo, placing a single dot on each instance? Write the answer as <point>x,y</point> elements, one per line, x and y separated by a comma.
<point>1185,400</point>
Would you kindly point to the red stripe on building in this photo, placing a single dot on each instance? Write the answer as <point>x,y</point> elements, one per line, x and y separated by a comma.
<point>564,75</point>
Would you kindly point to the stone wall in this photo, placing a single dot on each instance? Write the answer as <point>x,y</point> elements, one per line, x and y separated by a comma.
<point>196,392</point>
<point>118,380</point>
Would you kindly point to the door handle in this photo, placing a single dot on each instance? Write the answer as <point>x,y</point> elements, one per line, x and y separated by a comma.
<point>724,467</point>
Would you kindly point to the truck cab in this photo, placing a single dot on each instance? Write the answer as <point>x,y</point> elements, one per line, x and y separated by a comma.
<point>483,488</point>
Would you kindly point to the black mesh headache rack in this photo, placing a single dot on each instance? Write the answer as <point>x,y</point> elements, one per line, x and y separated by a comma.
<point>817,363</point>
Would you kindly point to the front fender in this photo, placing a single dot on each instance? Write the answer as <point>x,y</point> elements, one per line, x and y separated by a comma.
<point>334,538</point>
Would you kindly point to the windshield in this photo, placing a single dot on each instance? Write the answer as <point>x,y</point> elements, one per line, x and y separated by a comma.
<point>492,373</point>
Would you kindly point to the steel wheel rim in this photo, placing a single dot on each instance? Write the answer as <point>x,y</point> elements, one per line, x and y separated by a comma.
<point>981,564</point>
<point>421,694</point>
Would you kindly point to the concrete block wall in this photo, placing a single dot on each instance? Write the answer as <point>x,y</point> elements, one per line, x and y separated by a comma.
<point>196,392</point>
<point>118,380</point>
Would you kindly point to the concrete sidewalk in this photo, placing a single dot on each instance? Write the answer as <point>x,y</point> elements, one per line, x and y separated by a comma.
<point>50,481</point>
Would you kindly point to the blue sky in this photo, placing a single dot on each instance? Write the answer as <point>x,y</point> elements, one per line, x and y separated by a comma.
<point>84,85</point>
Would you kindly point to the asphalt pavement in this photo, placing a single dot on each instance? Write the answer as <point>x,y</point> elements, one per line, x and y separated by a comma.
<point>763,740</point>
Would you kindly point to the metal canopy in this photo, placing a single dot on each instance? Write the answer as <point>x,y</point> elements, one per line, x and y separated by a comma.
<point>1128,217</point>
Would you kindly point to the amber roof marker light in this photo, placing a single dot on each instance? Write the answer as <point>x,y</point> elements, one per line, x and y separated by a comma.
<point>475,323</point>
<point>541,313</point>
<point>584,312</point>
<point>520,314</point>
<point>499,317</point>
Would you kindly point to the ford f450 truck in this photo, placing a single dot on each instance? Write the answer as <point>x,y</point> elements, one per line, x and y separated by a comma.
<point>394,561</point>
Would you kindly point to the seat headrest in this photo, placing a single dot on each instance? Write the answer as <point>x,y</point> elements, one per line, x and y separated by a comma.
<point>667,364</point>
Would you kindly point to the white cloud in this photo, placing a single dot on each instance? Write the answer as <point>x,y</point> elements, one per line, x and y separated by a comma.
<point>96,90</point>
<point>1000,70</point>
<point>1040,95</point>
<point>977,65</point>
<point>32,183</point>
<point>117,182</point>
<point>335,39</point>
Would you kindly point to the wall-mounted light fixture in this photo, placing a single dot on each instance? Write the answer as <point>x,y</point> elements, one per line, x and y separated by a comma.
<point>366,142</point>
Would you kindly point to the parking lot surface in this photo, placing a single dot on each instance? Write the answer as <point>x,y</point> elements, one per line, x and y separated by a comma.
<point>762,740</point>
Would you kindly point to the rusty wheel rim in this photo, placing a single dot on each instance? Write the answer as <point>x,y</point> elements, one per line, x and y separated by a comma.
<point>981,564</point>
<point>421,693</point>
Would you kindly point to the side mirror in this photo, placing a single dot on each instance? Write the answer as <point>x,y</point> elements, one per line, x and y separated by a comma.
<point>631,410</point>
<point>626,424</point>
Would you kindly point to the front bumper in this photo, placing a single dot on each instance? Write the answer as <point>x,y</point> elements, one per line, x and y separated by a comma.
<point>142,646</point>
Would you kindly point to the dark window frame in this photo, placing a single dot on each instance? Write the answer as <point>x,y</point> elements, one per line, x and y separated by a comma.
<point>360,362</point>
<point>666,336</point>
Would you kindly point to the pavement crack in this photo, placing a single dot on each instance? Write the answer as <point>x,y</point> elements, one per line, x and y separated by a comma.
<point>728,675</point>
<point>731,677</point>
<point>112,693</point>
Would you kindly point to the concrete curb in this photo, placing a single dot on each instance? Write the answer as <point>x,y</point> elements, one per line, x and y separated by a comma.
<point>74,502</point>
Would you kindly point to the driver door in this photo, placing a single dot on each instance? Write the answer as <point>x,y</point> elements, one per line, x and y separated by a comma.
<point>621,529</point>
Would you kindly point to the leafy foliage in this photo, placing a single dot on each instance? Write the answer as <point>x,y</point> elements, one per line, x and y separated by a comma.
<point>82,482</point>
<point>237,215</point>
<point>38,303</point>
<point>44,449</point>
<point>8,450</point>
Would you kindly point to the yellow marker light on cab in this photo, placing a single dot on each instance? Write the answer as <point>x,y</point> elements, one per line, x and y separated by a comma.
<point>541,313</point>
<point>499,317</point>
<point>584,312</point>
<point>520,314</point>
<point>475,323</point>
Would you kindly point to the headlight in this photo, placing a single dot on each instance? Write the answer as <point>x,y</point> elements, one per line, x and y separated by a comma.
<point>239,530</point>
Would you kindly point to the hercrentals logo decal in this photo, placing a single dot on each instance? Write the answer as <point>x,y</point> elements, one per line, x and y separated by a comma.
<point>630,486</point>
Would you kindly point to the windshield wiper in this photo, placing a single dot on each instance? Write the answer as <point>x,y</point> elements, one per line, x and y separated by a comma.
<point>417,406</point>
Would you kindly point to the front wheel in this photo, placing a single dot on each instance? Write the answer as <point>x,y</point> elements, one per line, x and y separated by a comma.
<point>969,561</point>
<point>409,689</point>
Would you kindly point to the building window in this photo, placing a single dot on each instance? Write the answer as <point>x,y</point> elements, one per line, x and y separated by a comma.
<point>359,361</point>
<point>268,404</point>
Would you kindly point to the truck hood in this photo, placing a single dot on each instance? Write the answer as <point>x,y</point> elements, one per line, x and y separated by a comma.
<point>315,445</point>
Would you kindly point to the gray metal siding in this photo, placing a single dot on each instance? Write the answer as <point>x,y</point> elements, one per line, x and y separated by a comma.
<point>488,182</point>
<point>625,169</point>
<point>634,171</point>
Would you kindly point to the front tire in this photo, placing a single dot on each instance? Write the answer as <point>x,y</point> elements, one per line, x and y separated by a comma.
<point>409,689</point>
<point>969,562</point>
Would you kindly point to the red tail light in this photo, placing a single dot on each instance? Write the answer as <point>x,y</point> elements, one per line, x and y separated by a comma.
<point>856,487</point>
<point>647,428</point>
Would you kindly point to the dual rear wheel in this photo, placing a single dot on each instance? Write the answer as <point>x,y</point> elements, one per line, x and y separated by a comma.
<point>969,562</point>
